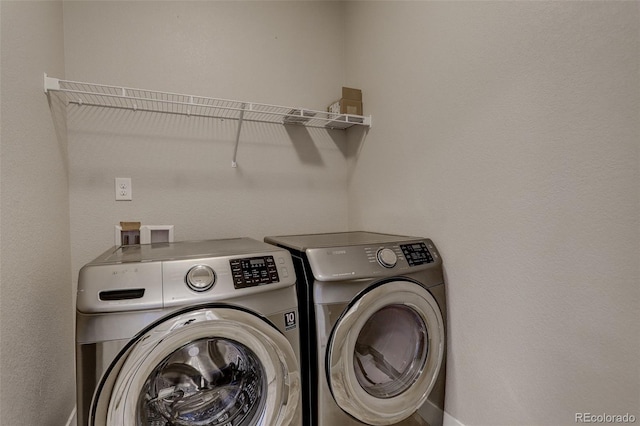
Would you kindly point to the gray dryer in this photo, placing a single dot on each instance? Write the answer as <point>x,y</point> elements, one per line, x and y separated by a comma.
<point>373,321</point>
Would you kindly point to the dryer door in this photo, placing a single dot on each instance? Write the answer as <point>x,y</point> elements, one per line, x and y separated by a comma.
<point>202,366</point>
<point>385,352</point>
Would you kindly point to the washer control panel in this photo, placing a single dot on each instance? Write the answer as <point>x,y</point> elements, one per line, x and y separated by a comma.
<point>253,271</point>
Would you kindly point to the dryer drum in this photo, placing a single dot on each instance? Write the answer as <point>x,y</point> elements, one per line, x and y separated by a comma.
<point>385,352</point>
<point>391,351</point>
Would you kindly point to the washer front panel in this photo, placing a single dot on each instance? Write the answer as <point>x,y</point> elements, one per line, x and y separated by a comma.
<point>236,276</point>
<point>378,373</point>
<point>210,366</point>
<point>157,276</point>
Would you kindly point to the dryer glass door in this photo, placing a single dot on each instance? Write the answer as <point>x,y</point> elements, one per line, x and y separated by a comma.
<point>385,352</point>
<point>208,366</point>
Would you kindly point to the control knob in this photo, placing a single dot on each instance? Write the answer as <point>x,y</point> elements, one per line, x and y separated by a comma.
<point>200,278</point>
<point>387,257</point>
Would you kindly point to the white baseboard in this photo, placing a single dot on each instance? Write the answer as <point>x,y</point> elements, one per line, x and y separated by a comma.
<point>72,418</point>
<point>449,420</point>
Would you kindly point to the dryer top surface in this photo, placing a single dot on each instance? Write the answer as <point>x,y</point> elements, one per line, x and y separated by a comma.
<point>357,255</point>
<point>337,239</point>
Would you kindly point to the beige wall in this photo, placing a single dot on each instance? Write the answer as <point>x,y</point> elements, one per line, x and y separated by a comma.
<point>506,131</point>
<point>57,189</point>
<point>36,350</point>
<point>288,180</point>
<point>509,133</point>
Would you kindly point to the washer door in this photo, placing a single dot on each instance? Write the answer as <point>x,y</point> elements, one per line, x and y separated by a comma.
<point>385,352</point>
<point>204,366</point>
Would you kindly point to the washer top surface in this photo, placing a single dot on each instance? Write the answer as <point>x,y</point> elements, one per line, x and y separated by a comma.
<point>181,250</point>
<point>337,239</point>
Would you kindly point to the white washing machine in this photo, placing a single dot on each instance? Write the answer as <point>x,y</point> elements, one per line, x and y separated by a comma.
<point>188,333</point>
<point>373,319</point>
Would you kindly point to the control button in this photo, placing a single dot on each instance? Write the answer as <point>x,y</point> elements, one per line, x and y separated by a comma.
<point>200,278</point>
<point>387,258</point>
<point>285,272</point>
<point>281,260</point>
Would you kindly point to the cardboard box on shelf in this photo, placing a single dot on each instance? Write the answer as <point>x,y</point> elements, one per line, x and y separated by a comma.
<point>346,106</point>
<point>349,106</point>
<point>353,94</point>
<point>350,103</point>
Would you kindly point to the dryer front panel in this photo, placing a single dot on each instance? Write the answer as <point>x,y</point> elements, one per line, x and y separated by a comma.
<point>385,352</point>
<point>206,366</point>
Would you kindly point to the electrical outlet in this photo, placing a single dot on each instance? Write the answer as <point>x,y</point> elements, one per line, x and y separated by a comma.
<point>123,189</point>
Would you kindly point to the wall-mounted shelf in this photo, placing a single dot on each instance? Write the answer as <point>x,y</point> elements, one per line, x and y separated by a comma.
<point>101,95</point>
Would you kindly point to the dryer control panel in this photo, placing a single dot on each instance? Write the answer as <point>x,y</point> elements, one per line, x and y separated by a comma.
<point>416,254</point>
<point>372,260</point>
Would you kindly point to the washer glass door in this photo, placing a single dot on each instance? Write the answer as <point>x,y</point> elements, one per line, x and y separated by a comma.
<point>385,352</point>
<point>209,366</point>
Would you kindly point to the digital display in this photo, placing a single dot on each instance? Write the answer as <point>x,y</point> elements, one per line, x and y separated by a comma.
<point>253,271</point>
<point>416,254</point>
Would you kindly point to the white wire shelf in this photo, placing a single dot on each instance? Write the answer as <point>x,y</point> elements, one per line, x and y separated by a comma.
<point>107,96</point>
<point>101,95</point>
<point>173,103</point>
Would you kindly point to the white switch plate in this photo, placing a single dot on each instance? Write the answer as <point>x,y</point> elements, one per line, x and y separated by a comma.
<point>123,189</point>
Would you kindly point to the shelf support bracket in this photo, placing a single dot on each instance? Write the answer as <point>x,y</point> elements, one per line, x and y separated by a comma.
<point>50,83</point>
<point>234,163</point>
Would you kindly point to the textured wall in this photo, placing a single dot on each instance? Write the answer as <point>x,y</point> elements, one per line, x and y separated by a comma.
<point>508,132</point>
<point>36,351</point>
<point>288,179</point>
